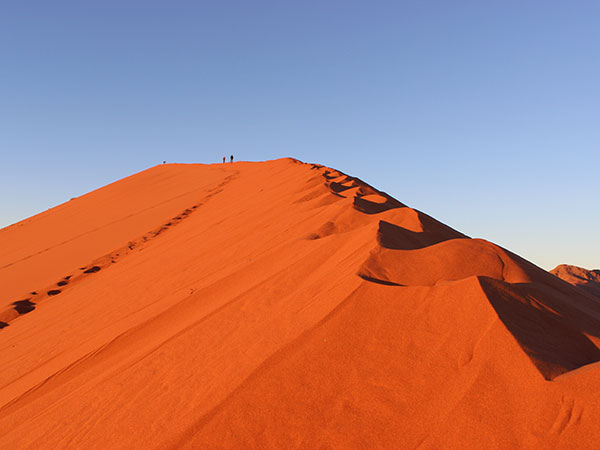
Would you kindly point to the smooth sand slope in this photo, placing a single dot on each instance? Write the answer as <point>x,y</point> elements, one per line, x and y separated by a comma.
<point>282,305</point>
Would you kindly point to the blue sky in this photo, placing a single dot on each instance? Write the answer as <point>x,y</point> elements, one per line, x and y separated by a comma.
<point>481,114</point>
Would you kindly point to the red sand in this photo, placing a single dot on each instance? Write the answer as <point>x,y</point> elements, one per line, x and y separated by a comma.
<point>282,305</point>
<point>588,280</point>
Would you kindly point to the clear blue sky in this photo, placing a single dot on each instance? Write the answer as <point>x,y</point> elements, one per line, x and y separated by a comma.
<point>483,114</point>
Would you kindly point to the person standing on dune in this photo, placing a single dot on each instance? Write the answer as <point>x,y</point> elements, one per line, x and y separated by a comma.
<point>231,158</point>
<point>223,160</point>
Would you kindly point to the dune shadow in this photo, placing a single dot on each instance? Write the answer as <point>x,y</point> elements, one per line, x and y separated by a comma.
<point>360,204</point>
<point>93,269</point>
<point>394,237</point>
<point>369,207</point>
<point>569,302</point>
<point>338,187</point>
<point>554,344</point>
<point>591,287</point>
<point>378,281</point>
<point>329,176</point>
<point>3,325</point>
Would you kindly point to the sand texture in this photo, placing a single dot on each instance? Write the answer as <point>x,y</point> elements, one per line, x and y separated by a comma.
<point>282,305</point>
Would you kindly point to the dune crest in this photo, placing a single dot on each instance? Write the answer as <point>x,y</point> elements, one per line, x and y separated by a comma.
<point>282,305</point>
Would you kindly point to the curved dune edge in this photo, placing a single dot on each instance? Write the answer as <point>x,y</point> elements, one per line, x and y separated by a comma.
<point>282,305</point>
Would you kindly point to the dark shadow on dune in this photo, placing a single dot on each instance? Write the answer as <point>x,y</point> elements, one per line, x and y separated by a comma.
<point>62,283</point>
<point>378,281</point>
<point>360,204</point>
<point>3,325</point>
<point>395,237</point>
<point>338,187</point>
<point>54,292</point>
<point>24,306</point>
<point>368,207</point>
<point>555,344</point>
<point>591,287</point>
<point>569,302</point>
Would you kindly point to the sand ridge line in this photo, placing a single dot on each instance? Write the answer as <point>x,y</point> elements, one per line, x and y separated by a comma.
<point>549,326</point>
<point>431,253</point>
<point>436,363</point>
<point>365,199</point>
<point>19,308</point>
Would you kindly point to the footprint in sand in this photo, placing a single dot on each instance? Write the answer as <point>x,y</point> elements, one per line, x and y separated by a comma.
<point>24,306</point>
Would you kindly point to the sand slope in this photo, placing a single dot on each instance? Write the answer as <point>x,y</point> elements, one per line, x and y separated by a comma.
<point>588,280</point>
<point>282,305</point>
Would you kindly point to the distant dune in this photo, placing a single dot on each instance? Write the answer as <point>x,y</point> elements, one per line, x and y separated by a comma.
<point>283,305</point>
<point>589,280</point>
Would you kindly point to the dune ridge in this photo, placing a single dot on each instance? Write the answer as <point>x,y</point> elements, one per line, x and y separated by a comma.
<point>282,305</point>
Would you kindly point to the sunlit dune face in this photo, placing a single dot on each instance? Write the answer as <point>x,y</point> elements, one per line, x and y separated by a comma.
<point>282,305</point>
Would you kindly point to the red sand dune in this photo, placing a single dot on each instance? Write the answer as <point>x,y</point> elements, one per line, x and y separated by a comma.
<point>588,280</point>
<point>282,305</point>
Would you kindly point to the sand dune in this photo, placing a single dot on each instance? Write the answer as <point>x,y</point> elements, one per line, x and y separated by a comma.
<point>282,305</point>
<point>588,280</point>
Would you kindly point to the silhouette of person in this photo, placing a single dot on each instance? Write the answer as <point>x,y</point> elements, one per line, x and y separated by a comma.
<point>231,158</point>
<point>223,160</point>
